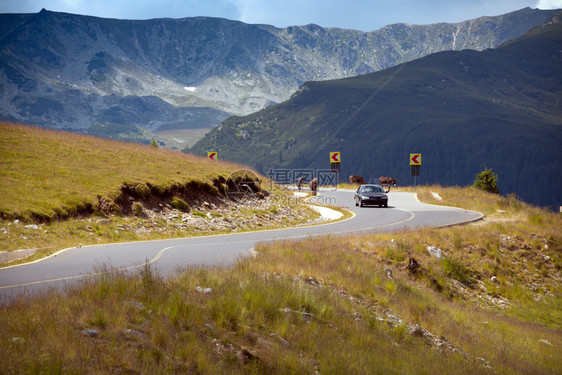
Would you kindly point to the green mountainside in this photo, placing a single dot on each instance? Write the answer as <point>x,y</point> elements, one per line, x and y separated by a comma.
<point>462,110</point>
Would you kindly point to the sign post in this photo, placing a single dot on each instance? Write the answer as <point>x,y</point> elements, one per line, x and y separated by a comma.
<point>212,155</point>
<point>415,163</point>
<point>335,159</point>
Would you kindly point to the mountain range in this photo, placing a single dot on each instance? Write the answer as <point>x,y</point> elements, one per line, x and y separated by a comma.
<point>463,111</point>
<point>101,75</point>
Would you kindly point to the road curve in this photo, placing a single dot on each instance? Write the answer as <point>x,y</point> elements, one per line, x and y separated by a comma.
<point>169,256</point>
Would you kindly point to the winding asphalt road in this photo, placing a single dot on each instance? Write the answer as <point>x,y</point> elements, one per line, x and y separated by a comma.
<point>169,256</point>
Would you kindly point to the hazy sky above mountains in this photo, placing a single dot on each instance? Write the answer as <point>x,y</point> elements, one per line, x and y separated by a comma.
<point>365,15</point>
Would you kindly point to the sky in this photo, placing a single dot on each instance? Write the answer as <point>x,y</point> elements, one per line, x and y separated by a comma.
<point>364,15</point>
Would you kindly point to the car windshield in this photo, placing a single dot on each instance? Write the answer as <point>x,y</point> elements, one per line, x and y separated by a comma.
<point>372,189</point>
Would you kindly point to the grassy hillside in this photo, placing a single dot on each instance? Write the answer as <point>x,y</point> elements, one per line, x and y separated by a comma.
<point>462,111</point>
<point>355,304</point>
<point>47,172</point>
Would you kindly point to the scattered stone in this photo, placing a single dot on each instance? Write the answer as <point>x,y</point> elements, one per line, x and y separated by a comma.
<point>137,305</point>
<point>265,343</point>
<point>388,272</point>
<point>203,290</point>
<point>280,339</point>
<point>312,281</point>
<point>494,279</point>
<point>415,330</point>
<point>543,341</point>
<point>134,332</point>
<point>305,315</point>
<point>435,252</point>
<point>32,226</point>
<point>21,340</point>
<point>90,332</point>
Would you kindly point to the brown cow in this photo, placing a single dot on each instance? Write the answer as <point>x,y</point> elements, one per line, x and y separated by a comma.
<point>313,186</point>
<point>388,182</point>
<point>353,179</point>
<point>300,182</point>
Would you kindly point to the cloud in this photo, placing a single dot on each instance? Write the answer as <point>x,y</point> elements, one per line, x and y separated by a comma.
<point>549,4</point>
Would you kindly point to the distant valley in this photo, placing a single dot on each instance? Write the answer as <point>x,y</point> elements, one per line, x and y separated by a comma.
<point>131,79</point>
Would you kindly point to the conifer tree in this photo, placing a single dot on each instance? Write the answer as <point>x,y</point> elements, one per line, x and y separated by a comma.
<point>487,181</point>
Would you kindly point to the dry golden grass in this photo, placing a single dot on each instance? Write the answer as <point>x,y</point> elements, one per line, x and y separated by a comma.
<point>43,171</point>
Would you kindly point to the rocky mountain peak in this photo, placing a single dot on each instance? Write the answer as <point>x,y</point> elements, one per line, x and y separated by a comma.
<point>71,71</point>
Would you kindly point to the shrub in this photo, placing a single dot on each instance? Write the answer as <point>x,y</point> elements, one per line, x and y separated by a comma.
<point>116,196</point>
<point>137,209</point>
<point>223,188</point>
<point>454,269</point>
<point>61,212</point>
<point>487,181</point>
<point>195,184</point>
<point>511,201</point>
<point>536,219</point>
<point>158,190</point>
<point>211,189</point>
<point>180,204</point>
<point>141,190</point>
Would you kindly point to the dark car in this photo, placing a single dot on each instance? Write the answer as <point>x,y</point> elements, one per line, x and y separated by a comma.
<point>370,195</point>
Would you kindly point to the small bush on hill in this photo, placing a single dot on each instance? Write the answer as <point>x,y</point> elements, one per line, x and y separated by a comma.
<point>487,181</point>
<point>141,189</point>
<point>137,209</point>
<point>456,270</point>
<point>180,204</point>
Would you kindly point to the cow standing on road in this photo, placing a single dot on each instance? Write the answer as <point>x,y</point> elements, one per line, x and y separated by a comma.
<point>353,179</point>
<point>387,182</point>
<point>299,183</point>
<point>314,186</point>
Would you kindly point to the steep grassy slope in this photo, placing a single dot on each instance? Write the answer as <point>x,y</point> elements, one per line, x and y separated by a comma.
<point>47,174</point>
<point>462,111</point>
